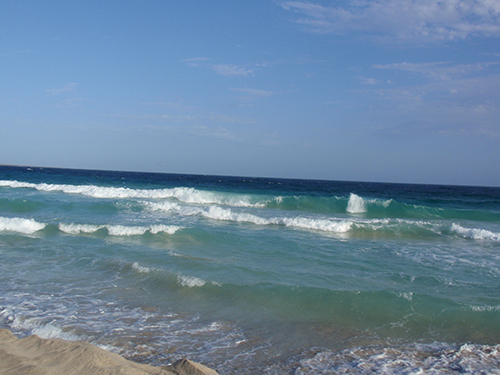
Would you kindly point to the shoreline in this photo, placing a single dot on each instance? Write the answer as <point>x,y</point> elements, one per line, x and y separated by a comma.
<point>36,356</point>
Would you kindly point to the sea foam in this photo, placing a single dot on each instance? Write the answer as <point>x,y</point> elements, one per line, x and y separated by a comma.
<point>141,269</point>
<point>434,358</point>
<point>475,233</point>
<point>226,214</point>
<point>20,225</point>
<point>190,281</point>
<point>182,194</point>
<point>356,204</point>
<point>117,230</point>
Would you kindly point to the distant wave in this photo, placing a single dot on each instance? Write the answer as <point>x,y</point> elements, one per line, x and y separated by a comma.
<point>353,204</point>
<point>182,194</point>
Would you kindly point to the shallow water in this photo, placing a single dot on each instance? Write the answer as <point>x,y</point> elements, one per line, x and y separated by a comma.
<point>254,275</point>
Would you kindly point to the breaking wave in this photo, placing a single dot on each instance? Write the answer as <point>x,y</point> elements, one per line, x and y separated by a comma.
<point>352,227</point>
<point>117,230</point>
<point>321,204</point>
<point>225,214</point>
<point>20,225</point>
<point>182,194</point>
<point>475,233</point>
<point>356,204</point>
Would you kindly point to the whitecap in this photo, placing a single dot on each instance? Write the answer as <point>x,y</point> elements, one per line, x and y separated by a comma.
<point>20,225</point>
<point>136,266</point>
<point>356,204</point>
<point>121,230</point>
<point>190,281</point>
<point>182,194</point>
<point>117,230</point>
<point>475,233</point>
<point>79,228</point>
<point>226,214</point>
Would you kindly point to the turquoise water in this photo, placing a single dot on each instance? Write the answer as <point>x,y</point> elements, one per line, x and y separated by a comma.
<point>250,275</point>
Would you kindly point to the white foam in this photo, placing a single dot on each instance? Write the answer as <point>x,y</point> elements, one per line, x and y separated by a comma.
<point>475,233</point>
<point>183,194</point>
<point>356,204</point>
<point>117,230</point>
<point>20,225</point>
<point>136,266</point>
<point>226,214</point>
<point>485,308</point>
<point>45,331</point>
<point>419,359</point>
<point>406,295</point>
<point>121,230</point>
<point>190,281</point>
<point>340,226</point>
<point>169,229</point>
<point>79,228</point>
<point>49,331</point>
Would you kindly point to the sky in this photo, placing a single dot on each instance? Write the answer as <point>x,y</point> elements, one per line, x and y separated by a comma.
<point>360,90</point>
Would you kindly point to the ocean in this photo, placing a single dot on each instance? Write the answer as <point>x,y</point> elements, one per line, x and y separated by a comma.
<point>254,275</point>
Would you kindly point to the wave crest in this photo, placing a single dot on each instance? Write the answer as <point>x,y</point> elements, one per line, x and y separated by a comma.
<point>225,214</point>
<point>182,194</point>
<point>117,230</point>
<point>475,233</point>
<point>356,204</point>
<point>20,225</point>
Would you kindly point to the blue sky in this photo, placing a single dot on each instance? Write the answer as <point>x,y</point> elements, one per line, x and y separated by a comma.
<point>364,90</point>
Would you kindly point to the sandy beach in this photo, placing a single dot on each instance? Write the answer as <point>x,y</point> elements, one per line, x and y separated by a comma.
<point>36,356</point>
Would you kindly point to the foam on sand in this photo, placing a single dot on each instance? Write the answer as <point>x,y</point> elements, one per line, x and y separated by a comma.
<point>36,356</point>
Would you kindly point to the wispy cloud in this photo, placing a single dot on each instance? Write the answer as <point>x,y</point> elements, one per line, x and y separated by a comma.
<point>453,101</point>
<point>370,81</point>
<point>406,20</point>
<point>74,102</point>
<point>195,61</point>
<point>186,119</point>
<point>171,105</point>
<point>228,70</point>
<point>439,70</point>
<point>249,96</point>
<point>231,70</point>
<point>66,88</point>
<point>255,92</point>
